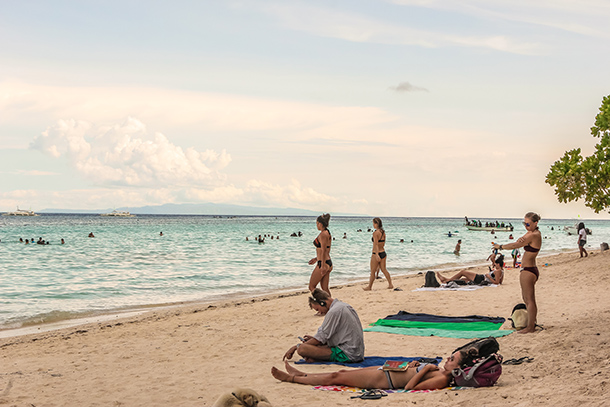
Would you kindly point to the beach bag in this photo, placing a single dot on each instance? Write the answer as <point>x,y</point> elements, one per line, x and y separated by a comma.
<point>477,349</point>
<point>484,373</point>
<point>518,317</point>
<point>431,280</point>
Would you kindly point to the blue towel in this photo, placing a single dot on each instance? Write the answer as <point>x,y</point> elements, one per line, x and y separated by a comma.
<point>374,361</point>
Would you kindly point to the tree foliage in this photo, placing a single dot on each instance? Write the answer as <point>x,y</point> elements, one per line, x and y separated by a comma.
<point>576,177</point>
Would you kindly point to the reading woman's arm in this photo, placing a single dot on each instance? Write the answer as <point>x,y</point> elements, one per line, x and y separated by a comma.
<point>439,380</point>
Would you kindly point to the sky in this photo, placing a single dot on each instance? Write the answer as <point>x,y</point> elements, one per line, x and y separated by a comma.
<point>377,107</point>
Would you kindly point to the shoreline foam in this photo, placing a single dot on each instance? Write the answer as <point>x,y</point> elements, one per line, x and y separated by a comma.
<point>30,326</point>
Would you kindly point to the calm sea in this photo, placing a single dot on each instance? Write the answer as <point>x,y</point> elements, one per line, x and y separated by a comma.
<point>201,258</point>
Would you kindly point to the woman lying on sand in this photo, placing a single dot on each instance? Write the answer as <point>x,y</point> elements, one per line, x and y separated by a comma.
<point>495,276</point>
<point>531,243</point>
<point>418,376</point>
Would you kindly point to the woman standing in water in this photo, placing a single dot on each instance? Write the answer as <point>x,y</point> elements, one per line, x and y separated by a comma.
<point>324,265</point>
<point>379,256</point>
<point>531,243</point>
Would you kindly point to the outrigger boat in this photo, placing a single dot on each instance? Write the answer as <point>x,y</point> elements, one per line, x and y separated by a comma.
<point>488,226</point>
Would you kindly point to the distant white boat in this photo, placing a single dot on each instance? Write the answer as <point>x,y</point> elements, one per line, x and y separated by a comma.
<point>119,214</point>
<point>21,212</point>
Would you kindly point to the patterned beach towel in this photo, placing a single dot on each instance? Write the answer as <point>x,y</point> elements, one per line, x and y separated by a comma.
<point>458,288</point>
<point>359,390</point>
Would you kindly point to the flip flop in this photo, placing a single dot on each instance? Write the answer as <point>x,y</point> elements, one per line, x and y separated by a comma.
<point>525,359</point>
<point>371,395</point>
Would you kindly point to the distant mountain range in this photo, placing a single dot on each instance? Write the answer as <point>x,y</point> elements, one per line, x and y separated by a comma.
<point>200,209</point>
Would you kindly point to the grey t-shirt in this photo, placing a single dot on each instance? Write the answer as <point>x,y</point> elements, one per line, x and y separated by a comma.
<point>342,328</point>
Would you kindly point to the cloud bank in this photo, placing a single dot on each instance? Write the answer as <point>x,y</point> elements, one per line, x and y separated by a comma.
<point>126,155</point>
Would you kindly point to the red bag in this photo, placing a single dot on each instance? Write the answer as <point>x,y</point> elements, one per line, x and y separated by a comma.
<point>484,373</point>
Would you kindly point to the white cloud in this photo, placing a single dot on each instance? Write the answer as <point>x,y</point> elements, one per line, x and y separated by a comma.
<point>586,17</point>
<point>327,22</point>
<point>126,155</point>
<point>214,112</point>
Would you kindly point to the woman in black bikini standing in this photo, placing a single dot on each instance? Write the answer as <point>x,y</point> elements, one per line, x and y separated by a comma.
<point>324,265</point>
<point>531,243</point>
<point>379,257</point>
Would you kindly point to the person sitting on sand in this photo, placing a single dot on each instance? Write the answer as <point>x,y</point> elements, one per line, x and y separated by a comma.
<point>418,376</point>
<point>495,276</point>
<point>339,338</point>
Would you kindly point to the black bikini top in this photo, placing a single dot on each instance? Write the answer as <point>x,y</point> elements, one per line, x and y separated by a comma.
<point>530,249</point>
<point>317,243</point>
<point>382,235</point>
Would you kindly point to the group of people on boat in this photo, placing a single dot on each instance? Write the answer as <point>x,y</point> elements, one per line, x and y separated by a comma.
<point>493,224</point>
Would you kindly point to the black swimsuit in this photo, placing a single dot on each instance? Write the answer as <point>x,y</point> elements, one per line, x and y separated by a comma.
<point>533,270</point>
<point>382,255</point>
<point>317,243</point>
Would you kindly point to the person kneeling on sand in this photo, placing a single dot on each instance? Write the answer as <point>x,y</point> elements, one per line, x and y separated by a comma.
<point>339,338</point>
<point>418,376</point>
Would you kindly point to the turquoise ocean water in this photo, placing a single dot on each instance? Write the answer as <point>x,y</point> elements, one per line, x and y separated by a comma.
<point>203,258</point>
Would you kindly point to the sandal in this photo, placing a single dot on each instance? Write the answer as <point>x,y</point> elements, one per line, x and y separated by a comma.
<point>371,395</point>
<point>525,359</point>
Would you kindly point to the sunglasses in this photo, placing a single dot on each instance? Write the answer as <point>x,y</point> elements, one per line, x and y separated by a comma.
<point>526,224</point>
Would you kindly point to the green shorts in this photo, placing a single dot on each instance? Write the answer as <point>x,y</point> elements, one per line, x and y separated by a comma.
<point>337,355</point>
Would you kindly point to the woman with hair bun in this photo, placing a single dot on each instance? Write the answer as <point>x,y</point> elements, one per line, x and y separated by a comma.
<point>379,257</point>
<point>324,265</point>
<point>531,243</point>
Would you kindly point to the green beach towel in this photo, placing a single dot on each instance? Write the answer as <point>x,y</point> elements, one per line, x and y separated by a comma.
<point>444,333</point>
<point>466,327</point>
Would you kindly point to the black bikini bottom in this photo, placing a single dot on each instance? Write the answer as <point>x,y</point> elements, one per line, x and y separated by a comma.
<point>329,262</point>
<point>533,270</point>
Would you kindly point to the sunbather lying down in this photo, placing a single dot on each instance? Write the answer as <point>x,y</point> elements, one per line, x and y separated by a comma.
<point>418,376</point>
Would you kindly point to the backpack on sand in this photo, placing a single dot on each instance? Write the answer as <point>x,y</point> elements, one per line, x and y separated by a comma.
<point>431,280</point>
<point>478,349</point>
<point>484,373</point>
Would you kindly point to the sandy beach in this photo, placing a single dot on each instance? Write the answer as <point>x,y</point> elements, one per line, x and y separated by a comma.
<point>190,355</point>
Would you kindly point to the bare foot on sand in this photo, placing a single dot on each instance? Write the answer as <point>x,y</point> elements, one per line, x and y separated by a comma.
<point>366,288</point>
<point>390,287</point>
<point>282,376</point>
<point>293,371</point>
<point>526,331</point>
